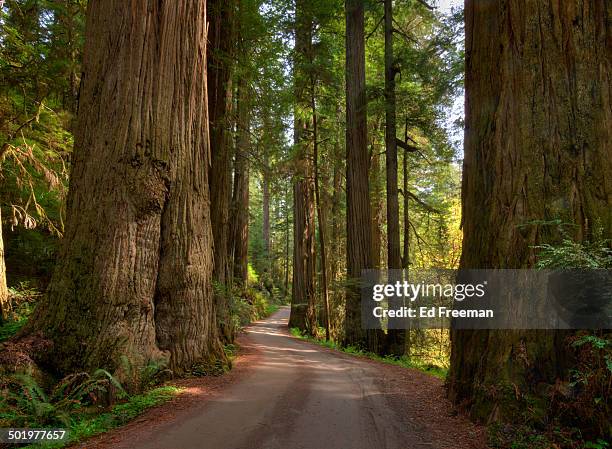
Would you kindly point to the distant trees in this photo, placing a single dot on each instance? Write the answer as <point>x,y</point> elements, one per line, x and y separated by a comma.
<point>537,148</point>
<point>133,277</point>
<point>330,169</point>
<point>40,52</point>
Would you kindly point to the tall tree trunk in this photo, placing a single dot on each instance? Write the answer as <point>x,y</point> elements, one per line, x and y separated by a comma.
<point>266,210</point>
<point>396,337</point>
<point>406,215</point>
<point>240,199</point>
<point>393,231</point>
<point>336,209</point>
<point>303,301</point>
<point>406,248</point>
<point>5,304</point>
<point>287,232</point>
<point>320,218</point>
<point>133,277</point>
<point>537,147</point>
<point>359,217</point>
<point>220,52</point>
<point>377,201</point>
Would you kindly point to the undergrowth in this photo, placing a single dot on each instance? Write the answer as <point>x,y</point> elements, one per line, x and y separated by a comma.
<point>83,404</point>
<point>22,297</point>
<point>576,411</point>
<point>405,362</point>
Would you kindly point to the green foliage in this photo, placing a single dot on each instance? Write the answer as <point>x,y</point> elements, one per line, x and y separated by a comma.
<point>23,298</point>
<point>599,444</point>
<point>89,423</point>
<point>589,254</point>
<point>405,362</point>
<point>85,404</point>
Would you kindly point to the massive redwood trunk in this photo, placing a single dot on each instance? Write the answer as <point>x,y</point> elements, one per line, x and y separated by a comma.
<point>537,147</point>
<point>133,276</point>
<point>358,212</point>
<point>303,311</point>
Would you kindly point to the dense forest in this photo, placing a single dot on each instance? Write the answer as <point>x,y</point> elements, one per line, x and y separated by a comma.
<point>171,171</point>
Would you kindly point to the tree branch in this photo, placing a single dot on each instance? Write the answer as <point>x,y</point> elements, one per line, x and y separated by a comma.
<point>426,5</point>
<point>420,202</point>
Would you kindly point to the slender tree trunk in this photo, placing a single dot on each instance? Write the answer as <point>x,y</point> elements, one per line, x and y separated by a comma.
<point>303,302</point>
<point>377,202</point>
<point>396,338</point>
<point>393,231</point>
<point>406,249</point>
<point>266,205</point>
<point>336,215</point>
<point>5,304</point>
<point>359,216</point>
<point>320,218</point>
<point>240,199</point>
<point>287,232</point>
<point>406,216</point>
<point>133,276</point>
<point>220,52</point>
<point>537,147</point>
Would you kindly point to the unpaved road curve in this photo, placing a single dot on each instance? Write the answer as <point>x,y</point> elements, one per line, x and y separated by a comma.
<point>299,395</point>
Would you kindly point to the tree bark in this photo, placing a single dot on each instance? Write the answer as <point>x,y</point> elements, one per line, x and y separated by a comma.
<point>133,277</point>
<point>359,216</point>
<point>395,337</point>
<point>320,218</point>
<point>406,215</point>
<point>303,301</point>
<point>393,231</point>
<point>266,204</point>
<point>537,147</point>
<point>240,199</point>
<point>219,63</point>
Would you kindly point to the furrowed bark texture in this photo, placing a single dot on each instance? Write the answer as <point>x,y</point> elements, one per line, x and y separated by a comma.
<point>395,337</point>
<point>303,311</point>
<point>219,63</point>
<point>265,180</point>
<point>240,199</point>
<point>359,216</point>
<point>133,276</point>
<point>537,147</point>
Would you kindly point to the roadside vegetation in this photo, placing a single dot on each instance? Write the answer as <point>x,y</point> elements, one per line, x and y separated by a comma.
<point>428,368</point>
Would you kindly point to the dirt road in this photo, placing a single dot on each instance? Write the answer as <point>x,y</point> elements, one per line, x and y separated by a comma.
<point>299,395</point>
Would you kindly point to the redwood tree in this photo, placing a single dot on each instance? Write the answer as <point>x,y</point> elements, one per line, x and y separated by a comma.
<point>396,337</point>
<point>220,64</point>
<point>537,147</point>
<point>303,315</point>
<point>358,211</point>
<point>133,276</point>
<point>240,197</point>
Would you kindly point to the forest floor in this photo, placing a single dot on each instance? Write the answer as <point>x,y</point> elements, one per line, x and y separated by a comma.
<point>285,393</point>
